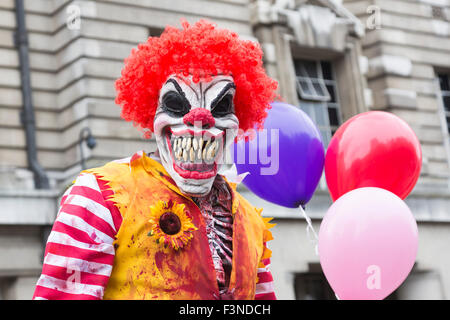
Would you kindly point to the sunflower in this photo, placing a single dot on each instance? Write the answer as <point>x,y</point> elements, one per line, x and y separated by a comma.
<point>171,224</point>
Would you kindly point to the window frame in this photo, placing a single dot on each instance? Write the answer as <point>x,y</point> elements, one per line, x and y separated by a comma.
<point>329,104</point>
<point>310,81</point>
<point>444,93</point>
<point>442,112</point>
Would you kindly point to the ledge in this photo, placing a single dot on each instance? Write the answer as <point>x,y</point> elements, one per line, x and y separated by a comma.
<point>29,207</point>
<point>426,205</point>
<point>39,207</point>
<point>20,272</point>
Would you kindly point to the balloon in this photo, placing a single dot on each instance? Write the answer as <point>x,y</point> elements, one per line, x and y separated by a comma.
<point>373,149</point>
<point>367,244</point>
<point>295,148</point>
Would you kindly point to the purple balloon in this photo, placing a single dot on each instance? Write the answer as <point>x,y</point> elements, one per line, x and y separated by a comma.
<point>285,160</point>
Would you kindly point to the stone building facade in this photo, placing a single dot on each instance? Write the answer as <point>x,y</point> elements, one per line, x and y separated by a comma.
<point>333,59</point>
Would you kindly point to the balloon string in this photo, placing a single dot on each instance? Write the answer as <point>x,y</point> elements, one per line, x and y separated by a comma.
<point>314,240</point>
<point>310,229</point>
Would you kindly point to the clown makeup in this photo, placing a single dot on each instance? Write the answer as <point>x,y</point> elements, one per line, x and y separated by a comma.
<point>194,124</point>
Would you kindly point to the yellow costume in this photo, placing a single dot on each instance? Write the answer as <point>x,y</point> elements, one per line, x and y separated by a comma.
<point>147,267</point>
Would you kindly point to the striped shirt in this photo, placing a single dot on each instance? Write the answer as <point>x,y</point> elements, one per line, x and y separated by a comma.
<point>79,254</point>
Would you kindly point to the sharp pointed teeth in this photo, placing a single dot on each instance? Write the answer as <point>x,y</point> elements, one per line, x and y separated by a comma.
<point>188,143</point>
<point>195,149</point>
<point>214,148</point>
<point>175,145</point>
<point>211,151</point>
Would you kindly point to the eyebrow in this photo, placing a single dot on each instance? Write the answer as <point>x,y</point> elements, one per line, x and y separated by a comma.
<point>180,90</point>
<point>212,84</point>
<point>177,86</point>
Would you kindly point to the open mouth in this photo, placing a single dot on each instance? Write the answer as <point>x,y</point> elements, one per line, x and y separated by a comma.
<point>194,154</point>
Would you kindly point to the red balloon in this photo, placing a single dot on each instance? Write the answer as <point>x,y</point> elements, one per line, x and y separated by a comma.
<point>373,149</point>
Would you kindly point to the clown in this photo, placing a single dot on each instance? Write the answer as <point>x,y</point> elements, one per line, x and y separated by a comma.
<point>166,225</point>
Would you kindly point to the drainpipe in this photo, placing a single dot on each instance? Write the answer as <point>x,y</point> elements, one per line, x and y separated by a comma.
<point>27,114</point>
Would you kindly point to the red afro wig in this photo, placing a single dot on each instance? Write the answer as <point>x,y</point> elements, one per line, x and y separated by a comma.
<point>201,50</point>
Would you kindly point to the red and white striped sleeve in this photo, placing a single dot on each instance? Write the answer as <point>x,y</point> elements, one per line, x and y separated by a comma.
<point>264,286</point>
<point>79,254</point>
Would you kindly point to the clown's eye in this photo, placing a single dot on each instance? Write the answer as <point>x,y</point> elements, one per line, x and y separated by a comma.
<point>175,104</point>
<point>223,107</point>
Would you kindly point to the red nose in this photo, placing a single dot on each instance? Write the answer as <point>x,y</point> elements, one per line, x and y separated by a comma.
<point>199,117</point>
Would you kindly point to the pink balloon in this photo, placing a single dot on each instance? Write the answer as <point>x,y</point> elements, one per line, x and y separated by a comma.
<point>367,244</point>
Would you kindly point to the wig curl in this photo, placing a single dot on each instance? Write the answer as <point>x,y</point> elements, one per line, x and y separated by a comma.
<point>201,50</point>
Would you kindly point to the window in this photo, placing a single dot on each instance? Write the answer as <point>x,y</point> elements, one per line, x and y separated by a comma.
<point>444,83</point>
<point>312,286</point>
<point>316,89</point>
<point>155,31</point>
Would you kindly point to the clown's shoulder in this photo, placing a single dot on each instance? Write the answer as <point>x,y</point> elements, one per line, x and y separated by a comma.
<point>125,167</point>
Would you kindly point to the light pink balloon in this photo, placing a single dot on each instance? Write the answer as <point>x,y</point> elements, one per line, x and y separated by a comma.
<point>367,244</point>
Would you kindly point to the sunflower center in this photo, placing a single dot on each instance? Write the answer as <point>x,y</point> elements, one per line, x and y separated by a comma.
<point>170,223</point>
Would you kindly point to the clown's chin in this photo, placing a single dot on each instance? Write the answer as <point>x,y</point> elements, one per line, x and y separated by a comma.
<point>195,188</point>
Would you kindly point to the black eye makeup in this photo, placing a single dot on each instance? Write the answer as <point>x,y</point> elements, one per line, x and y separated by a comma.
<point>175,104</point>
<point>222,105</point>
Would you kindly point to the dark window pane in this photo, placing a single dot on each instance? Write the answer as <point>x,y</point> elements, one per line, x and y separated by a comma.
<point>297,64</point>
<point>305,87</point>
<point>326,70</point>
<point>300,68</point>
<point>330,89</point>
<point>312,286</point>
<point>311,69</point>
<point>446,101</point>
<point>155,32</point>
<point>306,68</point>
<point>332,113</point>
<point>321,91</point>
<point>444,82</point>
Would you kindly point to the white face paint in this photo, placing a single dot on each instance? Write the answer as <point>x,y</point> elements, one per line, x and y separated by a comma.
<point>194,124</point>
